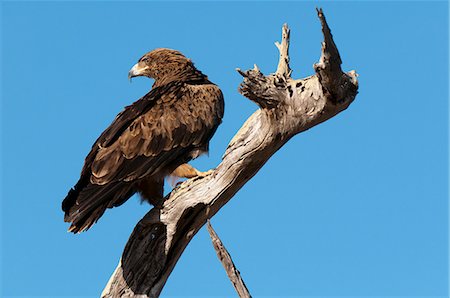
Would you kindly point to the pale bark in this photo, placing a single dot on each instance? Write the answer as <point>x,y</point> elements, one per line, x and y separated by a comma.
<point>287,107</point>
<point>233,274</point>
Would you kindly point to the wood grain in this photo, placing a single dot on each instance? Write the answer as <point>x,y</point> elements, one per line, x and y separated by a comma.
<point>287,107</point>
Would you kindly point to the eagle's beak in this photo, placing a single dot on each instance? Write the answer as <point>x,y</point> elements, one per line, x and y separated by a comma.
<point>135,71</point>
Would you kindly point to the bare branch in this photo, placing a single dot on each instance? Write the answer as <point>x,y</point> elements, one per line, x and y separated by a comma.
<point>265,99</point>
<point>233,274</point>
<point>287,107</point>
<point>330,59</point>
<point>283,68</point>
<point>334,81</point>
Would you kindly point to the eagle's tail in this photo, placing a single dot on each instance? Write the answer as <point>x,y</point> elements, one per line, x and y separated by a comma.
<point>83,206</point>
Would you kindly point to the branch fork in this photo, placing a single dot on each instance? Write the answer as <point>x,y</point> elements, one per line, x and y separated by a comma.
<point>286,108</point>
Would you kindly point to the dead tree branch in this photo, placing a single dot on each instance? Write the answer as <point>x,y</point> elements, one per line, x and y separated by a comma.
<point>287,107</point>
<point>233,274</point>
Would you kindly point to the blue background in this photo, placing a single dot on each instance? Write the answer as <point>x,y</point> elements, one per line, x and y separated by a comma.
<point>357,206</point>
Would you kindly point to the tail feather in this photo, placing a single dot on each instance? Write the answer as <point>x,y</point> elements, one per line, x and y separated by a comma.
<point>83,206</point>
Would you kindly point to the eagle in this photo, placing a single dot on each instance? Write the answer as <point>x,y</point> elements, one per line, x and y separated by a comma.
<point>151,139</point>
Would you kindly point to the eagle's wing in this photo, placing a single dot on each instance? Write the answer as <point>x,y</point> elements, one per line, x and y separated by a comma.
<point>180,121</point>
<point>122,122</point>
<point>114,130</point>
<point>146,139</point>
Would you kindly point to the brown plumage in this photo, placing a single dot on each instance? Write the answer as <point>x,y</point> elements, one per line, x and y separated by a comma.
<point>148,140</point>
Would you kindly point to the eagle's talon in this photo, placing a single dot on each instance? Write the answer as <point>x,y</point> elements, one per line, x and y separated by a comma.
<point>204,174</point>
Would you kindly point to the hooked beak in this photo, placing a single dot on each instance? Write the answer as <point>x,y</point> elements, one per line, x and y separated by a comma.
<point>135,71</point>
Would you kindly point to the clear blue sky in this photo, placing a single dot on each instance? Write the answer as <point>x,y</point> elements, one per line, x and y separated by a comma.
<point>357,206</point>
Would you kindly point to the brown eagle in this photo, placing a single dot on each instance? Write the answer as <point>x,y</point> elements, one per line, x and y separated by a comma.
<point>152,138</point>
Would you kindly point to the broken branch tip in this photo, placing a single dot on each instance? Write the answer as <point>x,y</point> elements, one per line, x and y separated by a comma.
<point>319,11</point>
<point>242,73</point>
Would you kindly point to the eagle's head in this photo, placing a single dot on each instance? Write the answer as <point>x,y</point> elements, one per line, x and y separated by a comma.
<point>164,65</point>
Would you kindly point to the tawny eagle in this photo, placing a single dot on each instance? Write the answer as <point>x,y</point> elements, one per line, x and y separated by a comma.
<point>152,138</point>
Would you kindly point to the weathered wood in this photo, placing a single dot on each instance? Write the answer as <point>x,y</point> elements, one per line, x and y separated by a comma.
<point>283,63</point>
<point>233,274</point>
<point>287,107</point>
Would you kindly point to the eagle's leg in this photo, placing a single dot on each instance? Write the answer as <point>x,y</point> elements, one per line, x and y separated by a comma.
<point>186,171</point>
<point>151,189</point>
